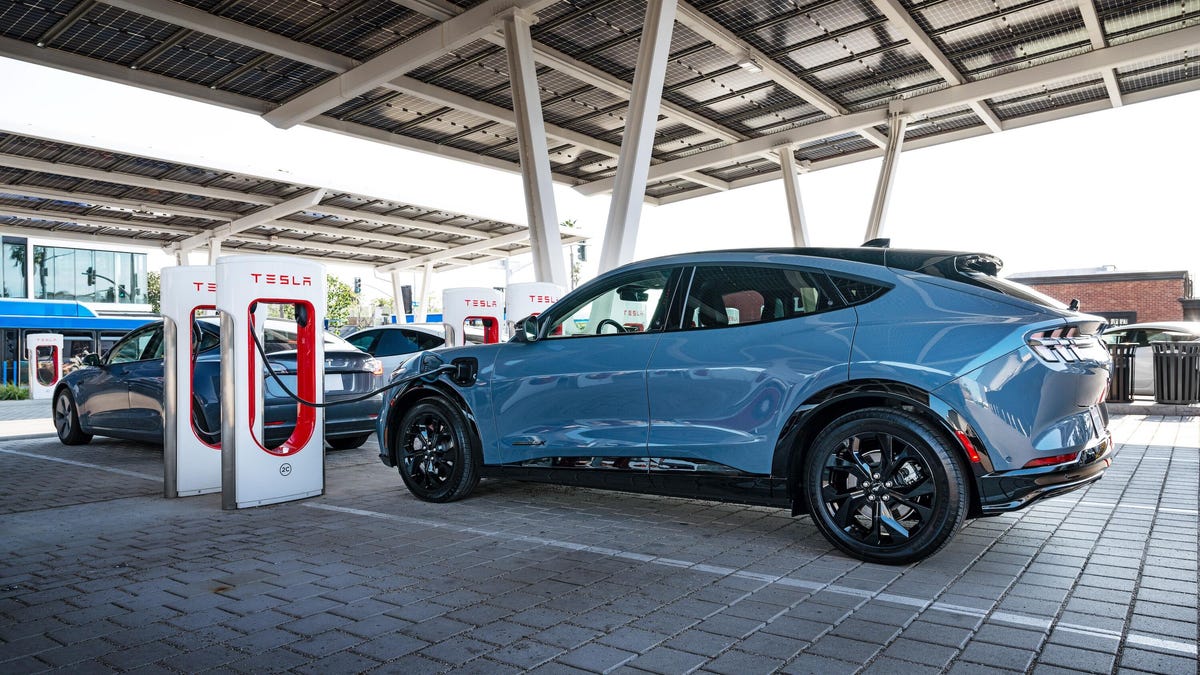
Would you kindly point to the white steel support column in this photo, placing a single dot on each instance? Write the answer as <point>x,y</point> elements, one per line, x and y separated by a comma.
<point>214,251</point>
<point>791,187</point>
<point>897,123</point>
<point>422,313</point>
<point>629,187</point>
<point>535,155</point>
<point>397,297</point>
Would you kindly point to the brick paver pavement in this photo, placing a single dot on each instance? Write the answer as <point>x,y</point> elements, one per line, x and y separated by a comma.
<point>99,573</point>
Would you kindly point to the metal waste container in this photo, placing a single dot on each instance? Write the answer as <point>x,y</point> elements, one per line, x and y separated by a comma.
<point>1120,383</point>
<point>1176,372</point>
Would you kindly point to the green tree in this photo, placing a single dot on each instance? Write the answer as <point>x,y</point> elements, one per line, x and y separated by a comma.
<point>153,292</point>
<point>340,301</point>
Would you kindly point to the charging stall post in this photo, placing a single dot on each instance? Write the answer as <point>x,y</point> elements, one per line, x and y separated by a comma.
<point>525,299</point>
<point>477,306</point>
<point>191,466</point>
<point>251,473</point>
<point>44,348</point>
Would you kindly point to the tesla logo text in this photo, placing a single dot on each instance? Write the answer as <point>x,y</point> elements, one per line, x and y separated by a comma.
<point>632,312</point>
<point>280,279</point>
<point>543,298</point>
<point>481,303</point>
<point>209,286</point>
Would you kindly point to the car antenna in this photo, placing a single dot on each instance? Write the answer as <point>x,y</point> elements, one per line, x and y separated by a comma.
<point>882,242</point>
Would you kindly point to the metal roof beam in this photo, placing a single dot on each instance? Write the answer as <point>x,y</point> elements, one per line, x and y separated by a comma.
<point>115,203</point>
<point>904,22</point>
<point>709,29</point>
<point>88,173</point>
<point>95,221</point>
<point>253,220</point>
<point>434,9</point>
<point>476,247</point>
<point>917,106</point>
<point>76,237</point>
<point>233,31</point>
<point>416,51</point>
<point>1095,31</point>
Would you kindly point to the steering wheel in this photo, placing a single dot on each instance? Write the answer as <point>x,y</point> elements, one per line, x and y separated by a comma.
<point>604,322</point>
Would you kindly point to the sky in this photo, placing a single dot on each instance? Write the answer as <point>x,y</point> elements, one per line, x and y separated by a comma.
<point>1116,187</point>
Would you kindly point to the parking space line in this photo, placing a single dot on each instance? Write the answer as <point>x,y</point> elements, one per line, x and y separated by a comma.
<point>1144,507</point>
<point>87,465</point>
<point>1021,620</point>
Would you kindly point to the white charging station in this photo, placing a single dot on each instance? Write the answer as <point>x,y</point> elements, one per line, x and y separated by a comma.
<point>44,354</point>
<point>251,473</point>
<point>481,308</point>
<point>524,299</point>
<point>191,466</point>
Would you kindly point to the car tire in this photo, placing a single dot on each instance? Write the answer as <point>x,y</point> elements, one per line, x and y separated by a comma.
<point>66,420</point>
<point>347,442</point>
<point>885,486</point>
<point>437,453</point>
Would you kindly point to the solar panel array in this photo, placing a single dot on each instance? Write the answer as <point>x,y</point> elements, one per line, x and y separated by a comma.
<point>52,187</point>
<point>847,50</point>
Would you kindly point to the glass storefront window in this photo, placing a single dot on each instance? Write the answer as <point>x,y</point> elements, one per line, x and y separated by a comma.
<point>12,268</point>
<point>89,276</point>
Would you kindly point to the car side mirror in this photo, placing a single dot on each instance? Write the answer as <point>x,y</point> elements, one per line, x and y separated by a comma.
<point>526,329</point>
<point>91,360</point>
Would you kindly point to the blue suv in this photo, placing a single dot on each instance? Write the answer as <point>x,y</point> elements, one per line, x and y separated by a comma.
<point>889,394</point>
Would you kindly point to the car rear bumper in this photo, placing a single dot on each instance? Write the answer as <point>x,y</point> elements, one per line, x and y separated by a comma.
<point>1005,491</point>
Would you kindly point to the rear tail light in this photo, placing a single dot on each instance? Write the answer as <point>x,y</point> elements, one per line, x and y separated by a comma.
<point>1051,461</point>
<point>375,366</point>
<point>1065,344</point>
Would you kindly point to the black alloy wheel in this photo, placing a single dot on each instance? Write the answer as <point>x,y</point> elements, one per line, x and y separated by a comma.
<point>437,455</point>
<point>885,486</point>
<point>66,420</point>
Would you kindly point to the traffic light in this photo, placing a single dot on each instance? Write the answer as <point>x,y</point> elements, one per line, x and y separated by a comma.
<point>357,285</point>
<point>582,252</point>
<point>91,276</point>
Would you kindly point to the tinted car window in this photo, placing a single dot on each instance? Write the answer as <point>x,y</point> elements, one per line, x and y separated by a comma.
<point>424,340</point>
<point>856,291</point>
<point>132,347</point>
<point>365,340</point>
<point>394,343</point>
<point>735,295</point>
<point>632,304</point>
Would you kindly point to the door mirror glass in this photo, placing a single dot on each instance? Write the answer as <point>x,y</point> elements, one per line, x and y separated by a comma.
<point>526,329</point>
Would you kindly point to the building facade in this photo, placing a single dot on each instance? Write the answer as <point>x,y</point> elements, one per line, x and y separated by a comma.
<point>1121,297</point>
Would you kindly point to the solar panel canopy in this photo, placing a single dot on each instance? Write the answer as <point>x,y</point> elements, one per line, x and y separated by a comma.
<point>745,79</point>
<point>61,190</point>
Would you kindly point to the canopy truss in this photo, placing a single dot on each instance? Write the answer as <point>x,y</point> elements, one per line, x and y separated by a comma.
<point>744,77</point>
<point>60,190</point>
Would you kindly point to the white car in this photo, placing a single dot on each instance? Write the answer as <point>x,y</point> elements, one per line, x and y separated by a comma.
<point>392,343</point>
<point>1142,334</point>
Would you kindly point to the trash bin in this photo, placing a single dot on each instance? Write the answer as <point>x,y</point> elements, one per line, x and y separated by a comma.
<point>1176,372</point>
<point>1120,383</point>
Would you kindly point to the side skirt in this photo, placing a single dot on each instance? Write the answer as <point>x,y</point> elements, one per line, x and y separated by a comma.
<point>752,489</point>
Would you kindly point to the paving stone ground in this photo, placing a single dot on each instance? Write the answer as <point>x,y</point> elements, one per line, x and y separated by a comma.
<point>98,573</point>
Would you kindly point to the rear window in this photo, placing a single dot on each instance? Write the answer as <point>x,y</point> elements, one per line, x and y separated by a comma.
<point>1013,289</point>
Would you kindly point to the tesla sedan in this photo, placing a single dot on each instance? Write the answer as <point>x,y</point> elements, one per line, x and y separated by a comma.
<point>121,394</point>
<point>889,394</point>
